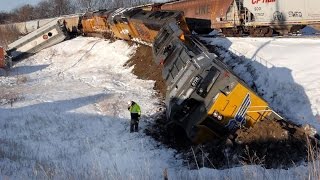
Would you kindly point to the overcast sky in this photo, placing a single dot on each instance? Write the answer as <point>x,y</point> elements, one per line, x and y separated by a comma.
<point>7,5</point>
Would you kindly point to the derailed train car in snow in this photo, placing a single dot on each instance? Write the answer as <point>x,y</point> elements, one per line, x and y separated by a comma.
<point>46,36</point>
<point>204,97</point>
<point>142,26</point>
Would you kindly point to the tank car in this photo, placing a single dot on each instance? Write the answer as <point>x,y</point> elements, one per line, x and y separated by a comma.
<point>204,97</point>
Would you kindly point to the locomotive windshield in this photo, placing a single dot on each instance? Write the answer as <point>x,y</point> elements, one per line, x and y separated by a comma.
<point>208,81</point>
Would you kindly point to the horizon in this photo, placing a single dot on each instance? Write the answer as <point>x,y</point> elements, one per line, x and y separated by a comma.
<point>9,5</point>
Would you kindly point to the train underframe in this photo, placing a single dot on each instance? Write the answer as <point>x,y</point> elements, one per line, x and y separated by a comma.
<point>262,31</point>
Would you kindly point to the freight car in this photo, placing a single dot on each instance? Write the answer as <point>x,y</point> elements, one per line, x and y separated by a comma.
<point>204,97</point>
<point>95,23</point>
<point>142,26</point>
<point>252,17</point>
<point>27,27</point>
<point>46,36</point>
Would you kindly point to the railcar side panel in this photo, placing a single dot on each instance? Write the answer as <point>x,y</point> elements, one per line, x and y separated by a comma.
<point>96,22</point>
<point>215,11</point>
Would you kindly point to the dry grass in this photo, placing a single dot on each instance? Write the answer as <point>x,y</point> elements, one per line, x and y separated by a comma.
<point>8,34</point>
<point>313,159</point>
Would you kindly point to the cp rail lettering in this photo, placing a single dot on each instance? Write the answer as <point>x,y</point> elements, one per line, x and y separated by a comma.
<point>262,1</point>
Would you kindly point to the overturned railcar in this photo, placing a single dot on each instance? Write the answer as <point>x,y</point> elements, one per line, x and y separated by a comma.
<point>204,97</point>
<point>52,33</point>
<point>142,26</point>
<point>95,23</point>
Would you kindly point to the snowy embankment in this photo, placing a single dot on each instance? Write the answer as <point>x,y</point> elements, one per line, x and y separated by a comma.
<point>285,72</point>
<point>68,120</point>
<point>72,116</point>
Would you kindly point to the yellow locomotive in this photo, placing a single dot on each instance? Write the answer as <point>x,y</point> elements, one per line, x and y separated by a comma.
<point>204,97</point>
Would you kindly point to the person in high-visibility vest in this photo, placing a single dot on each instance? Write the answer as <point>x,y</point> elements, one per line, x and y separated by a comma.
<point>135,112</point>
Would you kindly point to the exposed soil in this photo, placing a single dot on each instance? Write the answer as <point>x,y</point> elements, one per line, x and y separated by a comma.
<point>269,143</point>
<point>145,68</point>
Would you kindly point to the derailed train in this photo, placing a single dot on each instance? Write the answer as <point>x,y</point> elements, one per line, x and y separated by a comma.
<point>204,97</point>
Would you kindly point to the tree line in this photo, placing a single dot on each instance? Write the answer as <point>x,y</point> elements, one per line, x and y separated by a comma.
<point>54,8</point>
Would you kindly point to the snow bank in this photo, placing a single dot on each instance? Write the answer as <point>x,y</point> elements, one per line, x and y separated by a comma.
<point>74,120</point>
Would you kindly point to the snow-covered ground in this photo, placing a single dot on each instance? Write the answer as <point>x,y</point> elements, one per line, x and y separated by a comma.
<point>69,118</point>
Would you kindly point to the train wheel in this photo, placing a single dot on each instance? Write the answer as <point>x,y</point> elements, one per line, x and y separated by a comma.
<point>252,32</point>
<point>269,32</point>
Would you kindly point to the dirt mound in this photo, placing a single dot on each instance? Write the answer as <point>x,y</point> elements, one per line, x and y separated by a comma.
<point>146,68</point>
<point>269,143</point>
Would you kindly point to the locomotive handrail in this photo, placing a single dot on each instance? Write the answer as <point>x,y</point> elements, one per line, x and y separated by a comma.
<point>256,58</point>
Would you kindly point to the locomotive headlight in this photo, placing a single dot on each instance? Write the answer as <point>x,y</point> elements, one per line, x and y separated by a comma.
<point>215,114</point>
<point>220,117</point>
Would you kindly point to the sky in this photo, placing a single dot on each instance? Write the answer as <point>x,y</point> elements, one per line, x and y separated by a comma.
<point>8,5</point>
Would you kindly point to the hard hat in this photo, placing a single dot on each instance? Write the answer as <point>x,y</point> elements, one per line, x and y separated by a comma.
<point>129,103</point>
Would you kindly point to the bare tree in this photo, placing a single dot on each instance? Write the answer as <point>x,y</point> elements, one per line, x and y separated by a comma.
<point>87,4</point>
<point>24,13</point>
<point>44,9</point>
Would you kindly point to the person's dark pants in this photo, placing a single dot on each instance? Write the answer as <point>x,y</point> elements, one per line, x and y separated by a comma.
<point>134,125</point>
<point>134,122</point>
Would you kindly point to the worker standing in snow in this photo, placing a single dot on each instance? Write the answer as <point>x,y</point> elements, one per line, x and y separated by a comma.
<point>135,112</point>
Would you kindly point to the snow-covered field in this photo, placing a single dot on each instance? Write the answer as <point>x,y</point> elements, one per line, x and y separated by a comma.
<point>69,119</point>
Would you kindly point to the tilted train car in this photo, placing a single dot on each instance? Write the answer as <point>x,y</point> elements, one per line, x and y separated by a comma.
<point>143,26</point>
<point>95,23</point>
<point>46,36</point>
<point>204,97</point>
<point>253,17</point>
<point>27,27</point>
